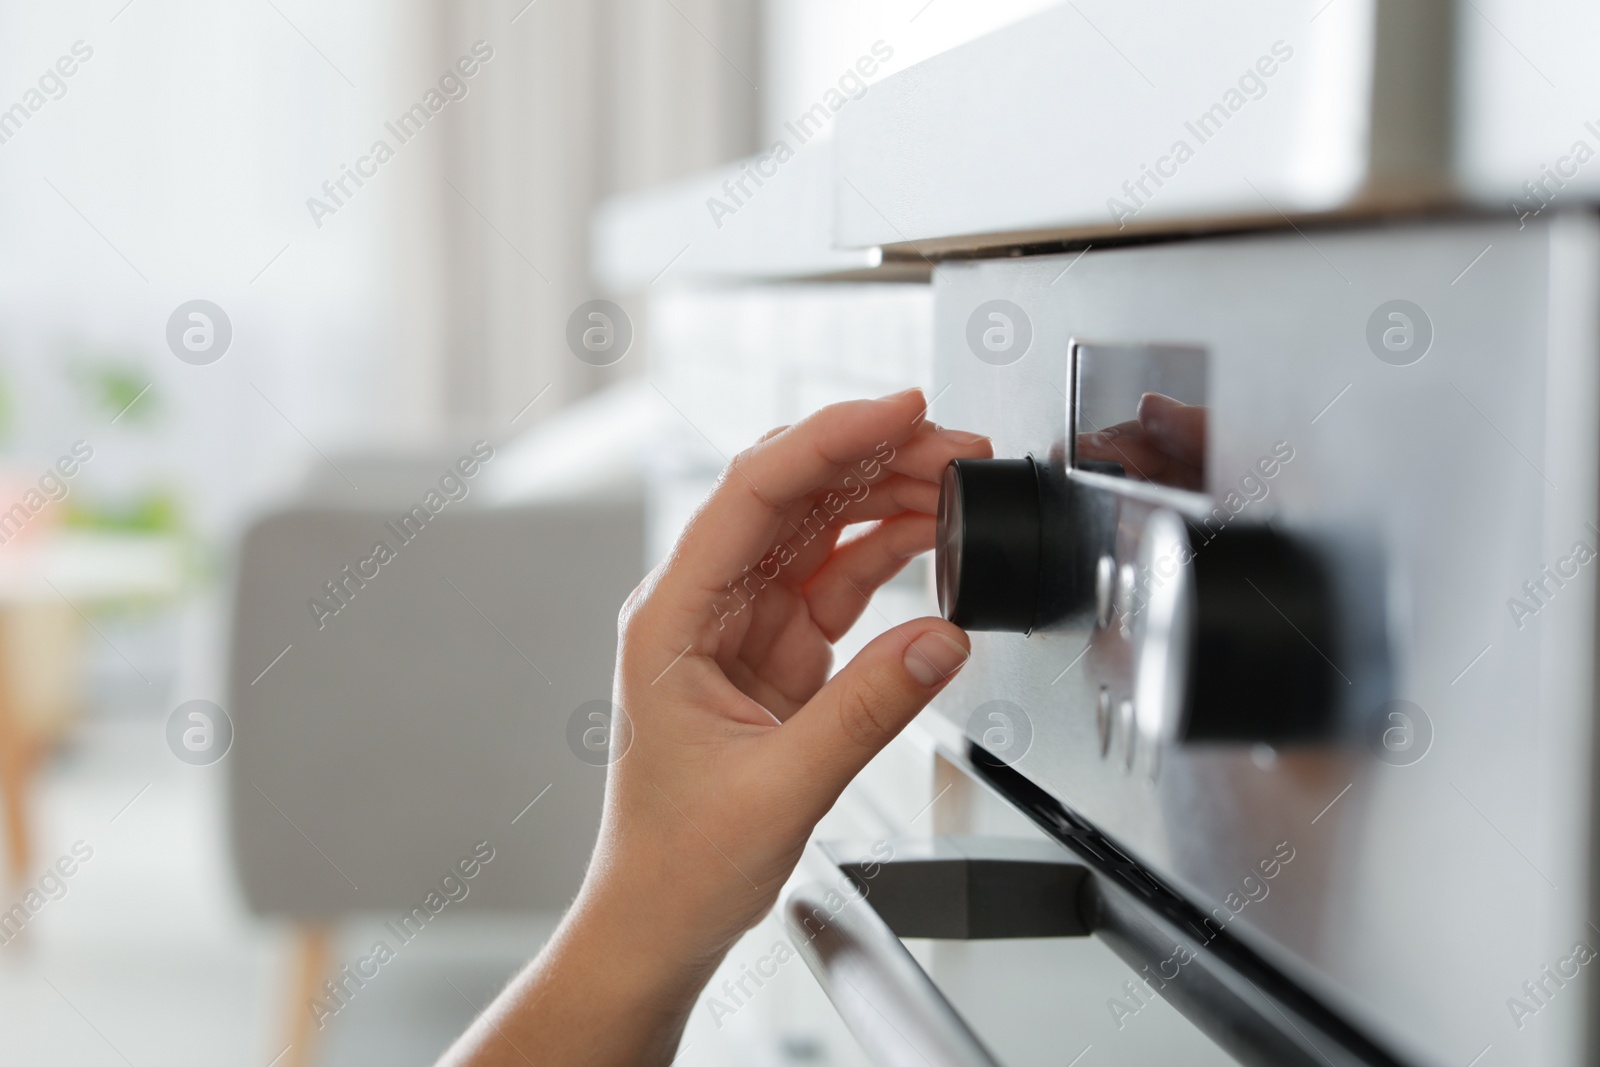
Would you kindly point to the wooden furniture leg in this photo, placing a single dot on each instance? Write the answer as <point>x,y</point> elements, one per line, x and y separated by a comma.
<point>311,951</point>
<point>17,762</point>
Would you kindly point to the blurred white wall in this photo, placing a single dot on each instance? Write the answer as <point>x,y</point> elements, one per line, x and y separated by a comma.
<point>179,159</point>
<point>175,166</point>
<point>808,44</point>
<point>178,163</point>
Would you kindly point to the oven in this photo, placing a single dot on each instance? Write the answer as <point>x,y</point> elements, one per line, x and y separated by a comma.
<point>1282,592</point>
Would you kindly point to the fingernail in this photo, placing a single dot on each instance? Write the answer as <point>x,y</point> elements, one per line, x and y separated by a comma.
<point>933,658</point>
<point>961,437</point>
<point>902,393</point>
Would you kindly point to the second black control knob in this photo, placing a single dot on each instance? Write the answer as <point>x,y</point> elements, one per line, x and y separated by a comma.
<point>988,546</point>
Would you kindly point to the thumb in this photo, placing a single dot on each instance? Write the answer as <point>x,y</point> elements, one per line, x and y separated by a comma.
<point>829,740</point>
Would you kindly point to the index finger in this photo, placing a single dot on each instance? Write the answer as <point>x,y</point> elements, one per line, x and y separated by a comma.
<point>739,521</point>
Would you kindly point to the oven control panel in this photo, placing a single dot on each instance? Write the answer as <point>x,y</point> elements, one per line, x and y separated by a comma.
<point>1198,628</point>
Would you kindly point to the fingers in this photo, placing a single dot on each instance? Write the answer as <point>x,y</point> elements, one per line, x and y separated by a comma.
<point>837,594</point>
<point>815,524</point>
<point>814,533</point>
<point>855,497</point>
<point>851,718</point>
<point>770,434</point>
<point>926,454</point>
<point>741,519</point>
<point>831,511</point>
<point>1178,429</point>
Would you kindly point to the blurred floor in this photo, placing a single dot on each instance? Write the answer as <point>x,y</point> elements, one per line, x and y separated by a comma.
<point>145,959</point>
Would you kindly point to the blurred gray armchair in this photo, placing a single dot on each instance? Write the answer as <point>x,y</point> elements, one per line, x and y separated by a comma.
<point>375,748</point>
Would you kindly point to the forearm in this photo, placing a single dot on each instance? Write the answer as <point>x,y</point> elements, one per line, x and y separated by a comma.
<point>611,987</point>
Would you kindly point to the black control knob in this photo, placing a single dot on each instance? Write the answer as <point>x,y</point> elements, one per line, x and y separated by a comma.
<point>988,546</point>
<point>1266,641</point>
<point>1233,637</point>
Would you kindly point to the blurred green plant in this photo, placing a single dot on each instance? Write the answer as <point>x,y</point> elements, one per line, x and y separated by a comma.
<point>112,384</point>
<point>156,512</point>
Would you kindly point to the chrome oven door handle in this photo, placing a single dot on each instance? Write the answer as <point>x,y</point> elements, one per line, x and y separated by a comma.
<point>880,991</point>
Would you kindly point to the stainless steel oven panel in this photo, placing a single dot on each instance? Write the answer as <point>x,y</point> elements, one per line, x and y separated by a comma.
<point>1415,888</point>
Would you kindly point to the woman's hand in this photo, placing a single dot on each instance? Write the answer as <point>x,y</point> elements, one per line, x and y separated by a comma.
<point>740,741</point>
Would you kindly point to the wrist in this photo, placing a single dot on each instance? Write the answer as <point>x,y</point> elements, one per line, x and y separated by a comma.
<point>666,924</point>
